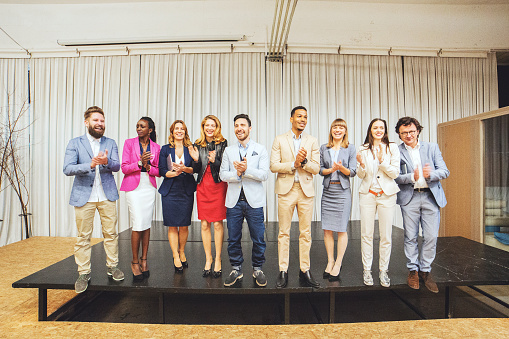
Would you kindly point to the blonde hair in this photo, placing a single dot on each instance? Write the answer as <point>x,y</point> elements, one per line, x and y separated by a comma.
<point>217,137</point>
<point>344,142</point>
<point>187,141</point>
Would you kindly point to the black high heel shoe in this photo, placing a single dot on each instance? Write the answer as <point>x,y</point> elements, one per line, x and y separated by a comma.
<point>178,269</point>
<point>207,273</point>
<point>326,275</point>
<point>185,264</point>
<point>146,273</point>
<point>139,277</point>
<point>333,277</point>
<point>216,274</point>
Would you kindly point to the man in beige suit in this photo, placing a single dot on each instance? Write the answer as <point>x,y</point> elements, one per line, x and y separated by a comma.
<point>295,157</point>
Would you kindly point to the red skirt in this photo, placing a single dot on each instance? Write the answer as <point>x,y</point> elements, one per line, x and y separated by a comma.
<point>210,198</point>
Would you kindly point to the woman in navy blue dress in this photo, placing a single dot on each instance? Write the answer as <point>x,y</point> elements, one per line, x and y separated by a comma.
<point>177,190</point>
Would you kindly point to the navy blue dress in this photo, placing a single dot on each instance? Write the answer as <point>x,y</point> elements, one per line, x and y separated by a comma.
<point>177,193</point>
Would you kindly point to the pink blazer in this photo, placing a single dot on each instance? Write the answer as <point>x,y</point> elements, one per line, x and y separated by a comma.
<point>130,168</point>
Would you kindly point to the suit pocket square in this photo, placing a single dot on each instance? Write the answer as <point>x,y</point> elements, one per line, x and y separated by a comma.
<point>254,153</point>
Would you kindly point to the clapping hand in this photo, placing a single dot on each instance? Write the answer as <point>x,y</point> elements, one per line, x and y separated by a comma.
<point>416,173</point>
<point>100,159</point>
<point>212,157</point>
<point>193,152</point>
<point>300,157</point>
<point>360,160</point>
<point>178,168</point>
<point>145,159</point>
<point>426,171</point>
<point>240,166</point>
<point>336,166</point>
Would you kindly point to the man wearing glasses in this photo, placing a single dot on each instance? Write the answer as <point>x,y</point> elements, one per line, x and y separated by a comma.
<point>421,196</point>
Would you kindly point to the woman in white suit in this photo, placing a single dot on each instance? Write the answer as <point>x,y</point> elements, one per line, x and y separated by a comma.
<point>378,166</point>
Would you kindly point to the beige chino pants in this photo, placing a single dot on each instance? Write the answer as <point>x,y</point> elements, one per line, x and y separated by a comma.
<point>286,205</point>
<point>85,223</point>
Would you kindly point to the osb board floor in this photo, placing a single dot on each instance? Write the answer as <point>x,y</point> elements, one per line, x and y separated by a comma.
<point>18,310</point>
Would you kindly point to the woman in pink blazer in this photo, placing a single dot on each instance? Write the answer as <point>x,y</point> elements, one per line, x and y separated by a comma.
<point>140,160</point>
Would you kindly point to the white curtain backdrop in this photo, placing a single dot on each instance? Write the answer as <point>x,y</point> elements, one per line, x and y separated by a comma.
<point>13,100</point>
<point>444,89</point>
<point>190,86</point>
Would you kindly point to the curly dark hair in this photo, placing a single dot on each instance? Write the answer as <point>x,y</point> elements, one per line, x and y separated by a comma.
<point>406,121</point>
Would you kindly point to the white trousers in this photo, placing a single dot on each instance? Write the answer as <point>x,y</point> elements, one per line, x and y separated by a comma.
<point>369,205</point>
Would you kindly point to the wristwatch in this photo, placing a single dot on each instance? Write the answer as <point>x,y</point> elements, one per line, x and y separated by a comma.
<point>140,164</point>
<point>303,162</point>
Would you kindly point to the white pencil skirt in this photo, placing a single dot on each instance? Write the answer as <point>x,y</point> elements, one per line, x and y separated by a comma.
<point>141,203</point>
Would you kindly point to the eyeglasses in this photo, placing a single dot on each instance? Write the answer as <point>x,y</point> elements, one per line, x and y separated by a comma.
<point>412,133</point>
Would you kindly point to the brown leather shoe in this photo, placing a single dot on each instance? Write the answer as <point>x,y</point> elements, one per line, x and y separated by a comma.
<point>413,280</point>
<point>430,284</point>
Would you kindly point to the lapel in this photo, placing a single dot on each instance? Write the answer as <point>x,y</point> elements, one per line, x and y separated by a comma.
<point>326,158</point>
<point>406,157</point>
<point>86,143</point>
<point>187,157</point>
<point>102,144</point>
<point>172,153</point>
<point>289,138</point>
<point>423,152</point>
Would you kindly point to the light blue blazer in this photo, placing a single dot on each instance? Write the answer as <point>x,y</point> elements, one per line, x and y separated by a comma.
<point>430,154</point>
<point>78,156</point>
<point>348,159</point>
<point>252,181</point>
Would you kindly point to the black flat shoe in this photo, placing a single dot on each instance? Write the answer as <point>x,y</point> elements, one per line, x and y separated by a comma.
<point>307,279</point>
<point>178,269</point>
<point>326,275</point>
<point>217,274</point>
<point>282,280</point>
<point>185,264</point>
<point>333,277</point>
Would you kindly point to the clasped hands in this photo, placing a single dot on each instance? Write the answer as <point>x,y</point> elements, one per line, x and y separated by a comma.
<point>100,159</point>
<point>240,166</point>
<point>301,156</point>
<point>145,159</point>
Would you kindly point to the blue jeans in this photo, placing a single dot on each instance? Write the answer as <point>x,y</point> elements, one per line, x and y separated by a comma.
<point>234,219</point>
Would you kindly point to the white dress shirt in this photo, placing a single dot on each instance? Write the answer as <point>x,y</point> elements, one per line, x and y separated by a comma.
<point>97,194</point>
<point>416,161</point>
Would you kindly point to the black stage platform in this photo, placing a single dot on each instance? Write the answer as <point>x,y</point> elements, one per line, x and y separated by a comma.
<point>459,262</point>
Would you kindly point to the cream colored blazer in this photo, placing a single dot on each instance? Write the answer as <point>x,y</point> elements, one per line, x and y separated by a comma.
<point>388,170</point>
<point>282,158</point>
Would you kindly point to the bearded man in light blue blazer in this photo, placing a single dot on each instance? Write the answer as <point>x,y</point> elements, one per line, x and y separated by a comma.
<point>245,166</point>
<point>91,159</point>
<point>421,196</point>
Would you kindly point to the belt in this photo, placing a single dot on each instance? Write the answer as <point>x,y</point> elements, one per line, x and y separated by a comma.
<point>426,189</point>
<point>335,182</point>
<point>379,194</point>
<point>242,196</point>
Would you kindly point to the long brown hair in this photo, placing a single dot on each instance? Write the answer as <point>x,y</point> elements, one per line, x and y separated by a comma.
<point>344,142</point>
<point>187,141</point>
<point>369,141</point>
<point>217,137</point>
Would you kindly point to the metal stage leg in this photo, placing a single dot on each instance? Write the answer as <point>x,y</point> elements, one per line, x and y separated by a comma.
<point>332,307</point>
<point>43,304</point>
<point>449,302</point>
<point>161,308</point>
<point>287,308</point>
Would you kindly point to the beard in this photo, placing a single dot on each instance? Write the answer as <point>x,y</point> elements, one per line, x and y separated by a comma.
<point>94,133</point>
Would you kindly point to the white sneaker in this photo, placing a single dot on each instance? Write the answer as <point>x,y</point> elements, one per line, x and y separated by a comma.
<point>368,278</point>
<point>384,279</point>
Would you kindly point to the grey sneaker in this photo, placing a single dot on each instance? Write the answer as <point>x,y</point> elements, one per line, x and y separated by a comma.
<point>260,278</point>
<point>115,273</point>
<point>384,279</point>
<point>233,278</point>
<point>368,278</point>
<point>81,283</point>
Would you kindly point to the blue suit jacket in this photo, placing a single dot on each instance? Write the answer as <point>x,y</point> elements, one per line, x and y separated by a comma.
<point>190,183</point>
<point>430,154</point>
<point>78,156</point>
<point>256,172</point>
<point>348,159</point>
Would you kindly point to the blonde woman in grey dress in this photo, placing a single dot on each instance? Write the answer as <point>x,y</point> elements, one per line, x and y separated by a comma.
<point>337,165</point>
